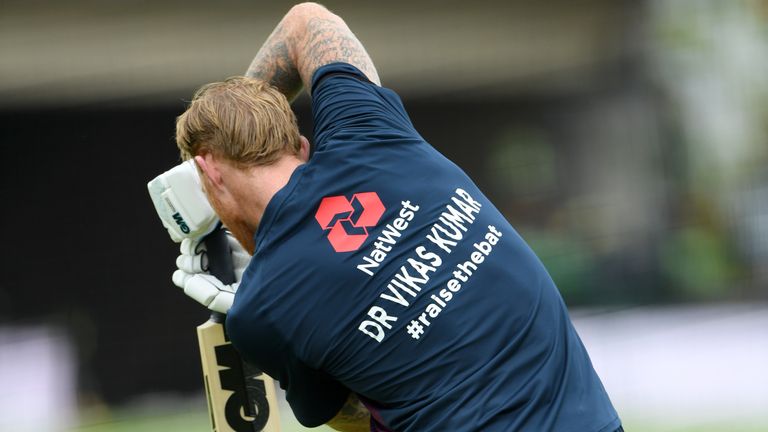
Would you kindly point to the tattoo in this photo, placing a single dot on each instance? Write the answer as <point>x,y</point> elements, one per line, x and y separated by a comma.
<point>352,417</point>
<point>305,40</point>
<point>328,40</point>
<point>273,63</point>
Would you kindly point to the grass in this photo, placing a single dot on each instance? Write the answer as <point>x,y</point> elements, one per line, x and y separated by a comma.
<point>165,415</point>
<point>191,416</point>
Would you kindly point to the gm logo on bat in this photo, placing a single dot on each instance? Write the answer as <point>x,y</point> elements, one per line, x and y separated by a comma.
<point>348,220</point>
<point>249,398</point>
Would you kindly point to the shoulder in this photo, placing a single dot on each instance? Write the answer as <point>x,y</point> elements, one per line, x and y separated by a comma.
<point>343,99</point>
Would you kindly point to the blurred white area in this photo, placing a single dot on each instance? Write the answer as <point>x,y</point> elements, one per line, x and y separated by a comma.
<point>711,58</point>
<point>37,372</point>
<point>682,366</point>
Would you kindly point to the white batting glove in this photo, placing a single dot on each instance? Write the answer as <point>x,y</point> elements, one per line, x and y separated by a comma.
<point>192,274</point>
<point>181,203</point>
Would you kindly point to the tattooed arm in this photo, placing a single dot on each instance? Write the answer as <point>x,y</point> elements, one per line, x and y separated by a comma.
<point>353,417</point>
<point>308,37</point>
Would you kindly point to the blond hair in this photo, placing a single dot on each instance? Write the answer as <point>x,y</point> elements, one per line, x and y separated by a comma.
<point>243,119</point>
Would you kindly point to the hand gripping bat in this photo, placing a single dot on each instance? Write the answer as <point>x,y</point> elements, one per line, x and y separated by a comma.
<point>241,398</point>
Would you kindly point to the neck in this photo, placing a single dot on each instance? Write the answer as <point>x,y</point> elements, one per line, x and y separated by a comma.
<point>252,188</point>
<point>259,184</point>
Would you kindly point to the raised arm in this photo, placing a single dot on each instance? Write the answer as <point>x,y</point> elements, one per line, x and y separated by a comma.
<point>309,36</point>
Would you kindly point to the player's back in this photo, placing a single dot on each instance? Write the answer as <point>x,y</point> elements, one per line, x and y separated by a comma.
<point>382,265</point>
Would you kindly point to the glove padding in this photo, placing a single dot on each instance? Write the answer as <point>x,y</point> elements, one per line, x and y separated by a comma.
<point>179,200</point>
<point>192,274</point>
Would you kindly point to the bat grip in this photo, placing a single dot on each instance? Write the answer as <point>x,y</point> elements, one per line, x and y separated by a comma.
<point>245,382</point>
<point>219,261</point>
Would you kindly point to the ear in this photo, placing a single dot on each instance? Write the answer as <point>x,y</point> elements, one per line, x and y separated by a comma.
<point>210,168</point>
<point>304,150</point>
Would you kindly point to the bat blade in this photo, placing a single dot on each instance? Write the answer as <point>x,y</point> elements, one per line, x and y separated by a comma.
<point>241,398</point>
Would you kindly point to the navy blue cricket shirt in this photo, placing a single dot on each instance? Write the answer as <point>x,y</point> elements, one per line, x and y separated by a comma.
<point>381,269</point>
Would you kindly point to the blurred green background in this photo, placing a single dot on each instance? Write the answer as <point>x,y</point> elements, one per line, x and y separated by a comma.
<point>626,141</point>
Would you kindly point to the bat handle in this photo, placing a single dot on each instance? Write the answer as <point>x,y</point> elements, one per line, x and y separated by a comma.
<point>242,378</point>
<point>220,256</point>
<point>219,261</point>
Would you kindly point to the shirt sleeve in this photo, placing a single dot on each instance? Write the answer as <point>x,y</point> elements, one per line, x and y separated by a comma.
<point>346,105</point>
<point>314,396</point>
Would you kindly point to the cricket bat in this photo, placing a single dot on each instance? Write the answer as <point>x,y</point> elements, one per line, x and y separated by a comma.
<point>240,397</point>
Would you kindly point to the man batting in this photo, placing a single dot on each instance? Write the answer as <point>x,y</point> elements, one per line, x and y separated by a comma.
<point>385,292</point>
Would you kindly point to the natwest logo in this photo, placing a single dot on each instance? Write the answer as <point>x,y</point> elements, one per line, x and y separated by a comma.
<point>349,220</point>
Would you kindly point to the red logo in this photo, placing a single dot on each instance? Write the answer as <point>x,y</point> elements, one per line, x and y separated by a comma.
<point>349,220</point>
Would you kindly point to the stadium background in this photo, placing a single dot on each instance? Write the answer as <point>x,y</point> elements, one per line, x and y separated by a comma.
<point>625,140</point>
